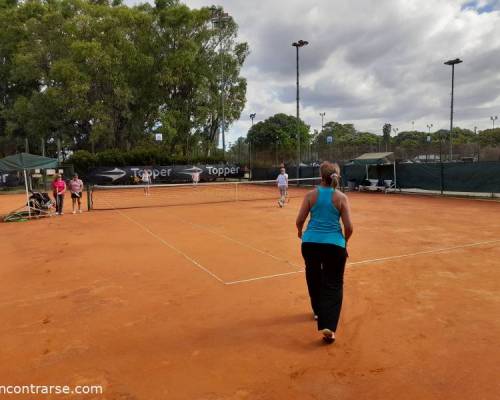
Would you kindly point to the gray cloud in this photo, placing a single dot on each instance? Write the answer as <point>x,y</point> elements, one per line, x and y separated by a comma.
<point>371,62</point>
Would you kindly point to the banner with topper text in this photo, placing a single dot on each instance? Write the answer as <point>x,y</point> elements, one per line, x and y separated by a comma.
<point>163,174</point>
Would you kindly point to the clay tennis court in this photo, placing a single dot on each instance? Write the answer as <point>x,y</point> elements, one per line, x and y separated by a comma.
<point>208,301</point>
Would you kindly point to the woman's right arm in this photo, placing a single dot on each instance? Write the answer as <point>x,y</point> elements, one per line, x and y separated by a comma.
<point>345,215</point>
<point>302,216</point>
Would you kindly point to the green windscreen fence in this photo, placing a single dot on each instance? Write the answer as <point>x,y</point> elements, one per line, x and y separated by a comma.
<point>479,177</point>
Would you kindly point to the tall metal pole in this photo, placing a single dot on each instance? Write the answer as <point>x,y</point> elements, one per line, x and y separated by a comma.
<point>441,166</point>
<point>322,114</point>
<point>478,144</point>
<point>298,116</point>
<point>451,112</point>
<point>252,117</point>
<point>452,63</point>
<point>298,44</point>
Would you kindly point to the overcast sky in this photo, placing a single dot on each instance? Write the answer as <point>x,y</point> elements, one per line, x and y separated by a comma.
<point>370,62</point>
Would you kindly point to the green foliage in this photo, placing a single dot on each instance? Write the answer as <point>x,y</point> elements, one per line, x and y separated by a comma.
<point>490,137</point>
<point>83,160</point>
<point>101,75</point>
<point>278,130</point>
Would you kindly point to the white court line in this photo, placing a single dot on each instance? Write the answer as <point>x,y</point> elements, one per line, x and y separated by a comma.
<point>373,260</point>
<point>464,246</point>
<point>171,246</point>
<point>249,246</point>
<point>259,278</point>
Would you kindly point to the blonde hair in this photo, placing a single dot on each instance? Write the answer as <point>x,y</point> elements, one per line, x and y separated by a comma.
<point>330,173</point>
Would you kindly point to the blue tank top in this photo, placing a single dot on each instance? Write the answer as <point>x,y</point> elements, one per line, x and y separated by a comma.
<point>324,224</point>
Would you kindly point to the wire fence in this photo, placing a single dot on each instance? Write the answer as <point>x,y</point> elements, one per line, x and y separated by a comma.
<point>243,154</point>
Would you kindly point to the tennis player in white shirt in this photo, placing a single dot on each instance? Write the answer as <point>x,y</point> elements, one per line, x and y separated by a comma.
<point>282,181</point>
<point>146,181</point>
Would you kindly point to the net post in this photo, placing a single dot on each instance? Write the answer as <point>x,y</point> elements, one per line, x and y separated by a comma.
<point>89,197</point>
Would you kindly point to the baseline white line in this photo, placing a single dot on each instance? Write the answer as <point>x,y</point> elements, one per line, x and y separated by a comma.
<point>249,246</point>
<point>171,246</point>
<point>263,277</point>
<point>373,260</point>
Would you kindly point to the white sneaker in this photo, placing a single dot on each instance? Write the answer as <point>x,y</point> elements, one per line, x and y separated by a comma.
<point>79,211</point>
<point>74,212</point>
<point>328,336</point>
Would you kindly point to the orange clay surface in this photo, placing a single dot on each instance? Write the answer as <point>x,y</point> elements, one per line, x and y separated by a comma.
<point>149,303</point>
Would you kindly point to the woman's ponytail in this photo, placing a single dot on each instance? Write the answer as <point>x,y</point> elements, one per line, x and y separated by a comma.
<point>335,180</point>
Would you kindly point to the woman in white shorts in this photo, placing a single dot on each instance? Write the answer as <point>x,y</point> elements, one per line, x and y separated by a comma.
<point>282,181</point>
<point>146,181</point>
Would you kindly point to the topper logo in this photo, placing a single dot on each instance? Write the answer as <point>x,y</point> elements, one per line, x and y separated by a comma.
<point>154,173</point>
<point>223,171</point>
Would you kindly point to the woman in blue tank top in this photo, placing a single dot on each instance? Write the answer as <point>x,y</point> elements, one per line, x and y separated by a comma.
<point>324,247</point>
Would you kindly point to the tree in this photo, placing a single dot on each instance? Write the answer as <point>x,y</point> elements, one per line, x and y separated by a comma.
<point>278,134</point>
<point>386,130</point>
<point>100,75</point>
<point>490,137</point>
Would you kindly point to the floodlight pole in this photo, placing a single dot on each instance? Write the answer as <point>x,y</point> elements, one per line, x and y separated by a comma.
<point>252,117</point>
<point>322,115</point>
<point>441,165</point>
<point>452,63</point>
<point>428,138</point>
<point>297,45</point>
<point>493,119</point>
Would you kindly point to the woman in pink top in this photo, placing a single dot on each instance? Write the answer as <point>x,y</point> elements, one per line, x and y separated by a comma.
<point>76,189</point>
<point>58,189</point>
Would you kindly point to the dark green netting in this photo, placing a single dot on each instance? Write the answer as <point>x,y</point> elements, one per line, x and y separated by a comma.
<point>479,177</point>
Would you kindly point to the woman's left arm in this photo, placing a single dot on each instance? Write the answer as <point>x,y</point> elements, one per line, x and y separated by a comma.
<point>303,213</point>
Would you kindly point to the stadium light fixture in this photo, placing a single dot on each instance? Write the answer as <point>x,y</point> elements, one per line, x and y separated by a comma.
<point>493,119</point>
<point>298,45</point>
<point>322,115</point>
<point>452,63</point>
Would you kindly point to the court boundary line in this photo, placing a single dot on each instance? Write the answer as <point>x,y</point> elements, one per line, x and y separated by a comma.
<point>371,261</point>
<point>248,246</point>
<point>171,246</point>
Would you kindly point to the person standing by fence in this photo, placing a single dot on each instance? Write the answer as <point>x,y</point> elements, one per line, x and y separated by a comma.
<point>58,190</point>
<point>324,247</point>
<point>76,189</point>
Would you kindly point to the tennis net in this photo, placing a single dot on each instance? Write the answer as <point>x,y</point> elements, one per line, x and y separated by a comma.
<point>108,197</point>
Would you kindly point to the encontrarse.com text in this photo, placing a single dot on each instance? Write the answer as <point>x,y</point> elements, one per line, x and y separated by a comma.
<point>50,389</point>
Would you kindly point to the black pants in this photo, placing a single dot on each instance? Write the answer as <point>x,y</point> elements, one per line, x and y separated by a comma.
<point>59,203</point>
<point>325,264</point>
